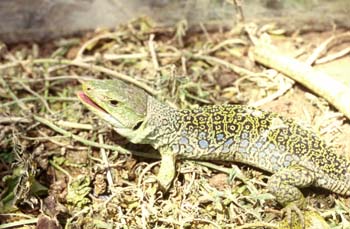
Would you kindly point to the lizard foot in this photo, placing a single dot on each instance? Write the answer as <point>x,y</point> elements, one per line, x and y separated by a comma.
<point>164,181</point>
<point>312,220</point>
<point>166,172</point>
<point>288,211</point>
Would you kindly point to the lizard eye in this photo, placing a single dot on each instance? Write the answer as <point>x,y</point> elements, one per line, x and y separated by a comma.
<point>113,102</point>
<point>138,125</point>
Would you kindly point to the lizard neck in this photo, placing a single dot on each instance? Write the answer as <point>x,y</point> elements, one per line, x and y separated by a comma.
<point>161,119</point>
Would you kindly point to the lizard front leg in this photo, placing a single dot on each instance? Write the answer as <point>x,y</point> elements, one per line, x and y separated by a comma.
<point>285,184</point>
<point>167,169</point>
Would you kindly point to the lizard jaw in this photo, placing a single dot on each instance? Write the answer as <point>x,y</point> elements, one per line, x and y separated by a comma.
<point>89,102</point>
<point>94,107</point>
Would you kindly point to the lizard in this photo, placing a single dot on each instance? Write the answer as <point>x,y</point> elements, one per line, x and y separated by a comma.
<point>295,156</point>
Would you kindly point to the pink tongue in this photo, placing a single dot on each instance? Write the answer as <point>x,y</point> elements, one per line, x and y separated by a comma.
<point>87,100</point>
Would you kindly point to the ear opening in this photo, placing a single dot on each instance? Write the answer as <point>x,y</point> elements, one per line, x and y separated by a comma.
<point>138,125</point>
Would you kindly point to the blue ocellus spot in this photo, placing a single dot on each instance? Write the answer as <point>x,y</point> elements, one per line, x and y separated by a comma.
<point>183,141</point>
<point>203,144</point>
<point>225,150</point>
<point>219,137</point>
<point>275,157</point>
<point>286,163</point>
<point>229,142</point>
<point>258,145</point>
<point>288,157</point>
<point>244,143</point>
<point>189,149</point>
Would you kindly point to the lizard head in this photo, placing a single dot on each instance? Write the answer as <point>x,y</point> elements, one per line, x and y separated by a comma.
<point>121,104</point>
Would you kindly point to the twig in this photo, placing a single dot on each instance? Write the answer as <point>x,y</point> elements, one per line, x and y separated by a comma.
<point>205,31</point>
<point>19,223</point>
<point>37,95</point>
<point>109,57</point>
<point>69,220</point>
<point>180,32</point>
<point>15,215</point>
<point>84,65</point>
<point>257,224</point>
<point>210,222</point>
<point>153,52</point>
<point>233,41</point>
<point>232,172</point>
<point>91,143</point>
<point>281,91</point>
<point>333,56</point>
<point>13,95</point>
<point>332,90</point>
<point>323,48</point>
<point>239,10</point>
<point>59,168</point>
<point>132,56</point>
<point>78,138</point>
<point>93,41</point>
<point>53,78</point>
<point>52,139</point>
<point>105,163</point>
<point>110,72</point>
<point>144,171</point>
<point>29,99</point>
<point>236,69</point>
<point>13,120</point>
<point>9,65</point>
<point>183,66</point>
<point>75,125</point>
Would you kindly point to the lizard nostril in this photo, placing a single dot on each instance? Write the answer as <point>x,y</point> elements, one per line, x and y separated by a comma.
<point>113,102</point>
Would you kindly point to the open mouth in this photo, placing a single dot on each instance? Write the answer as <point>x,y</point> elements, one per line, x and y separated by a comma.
<point>86,100</point>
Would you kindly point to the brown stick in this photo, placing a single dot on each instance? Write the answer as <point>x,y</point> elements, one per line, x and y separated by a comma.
<point>322,84</point>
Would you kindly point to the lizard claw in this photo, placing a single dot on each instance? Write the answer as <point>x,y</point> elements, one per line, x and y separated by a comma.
<point>288,212</point>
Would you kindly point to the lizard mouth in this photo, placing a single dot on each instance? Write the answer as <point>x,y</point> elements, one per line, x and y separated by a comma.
<point>94,107</point>
<point>89,102</point>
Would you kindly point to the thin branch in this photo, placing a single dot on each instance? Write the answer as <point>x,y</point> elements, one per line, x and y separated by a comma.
<point>104,157</point>
<point>329,88</point>
<point>327,44</point>
<point>235,68</point>
<point>38,96</point>
<point>13,120</point>
<point>19,223</point>
<point>86,66</point>
<point>92,143</point>
<point>333,56</point>
<point>152,50</point>
<point>13,95</point>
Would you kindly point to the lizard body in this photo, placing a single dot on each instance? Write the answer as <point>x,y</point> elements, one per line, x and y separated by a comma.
<point>295,155</point>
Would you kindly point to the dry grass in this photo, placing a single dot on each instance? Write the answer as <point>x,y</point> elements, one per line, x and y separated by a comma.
<point>60,165</point>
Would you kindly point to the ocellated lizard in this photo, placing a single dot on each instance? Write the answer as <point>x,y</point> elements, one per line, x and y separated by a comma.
<point>295,155</point>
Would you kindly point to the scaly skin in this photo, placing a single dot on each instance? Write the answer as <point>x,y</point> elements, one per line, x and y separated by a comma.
<point>313,220</point>
<point>295,156</point>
